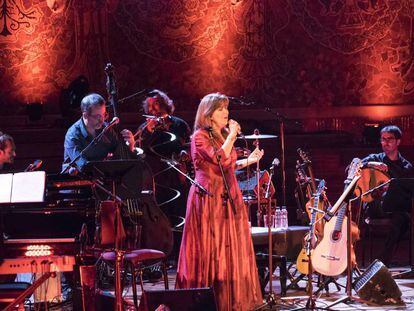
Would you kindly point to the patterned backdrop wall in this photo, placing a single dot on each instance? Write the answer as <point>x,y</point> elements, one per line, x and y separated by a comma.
<point>281,53</point>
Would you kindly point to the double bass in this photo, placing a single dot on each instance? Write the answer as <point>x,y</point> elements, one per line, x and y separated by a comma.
<point>146,226</point>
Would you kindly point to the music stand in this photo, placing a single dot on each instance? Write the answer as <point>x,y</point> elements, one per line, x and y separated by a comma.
<point>406,185</point>
<point>114,171</point>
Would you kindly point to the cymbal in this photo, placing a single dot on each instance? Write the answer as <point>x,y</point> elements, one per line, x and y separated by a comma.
<point>260,136</point>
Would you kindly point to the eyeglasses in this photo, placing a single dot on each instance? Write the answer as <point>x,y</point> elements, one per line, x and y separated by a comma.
<point>99,116</point>
<point>387,139</point>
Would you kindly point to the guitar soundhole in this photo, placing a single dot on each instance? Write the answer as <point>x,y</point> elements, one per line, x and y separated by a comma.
<point>336,235</point>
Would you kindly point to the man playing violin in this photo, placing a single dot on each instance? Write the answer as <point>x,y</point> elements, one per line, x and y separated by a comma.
<point>83,131</point>
<point>159,109</point>
<point>396,200</point>
<point>163,135</point>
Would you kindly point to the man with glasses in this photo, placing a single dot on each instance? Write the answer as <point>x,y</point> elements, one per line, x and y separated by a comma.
<point>396,201</point>
<point>83,131</point>
<point>7,151</point>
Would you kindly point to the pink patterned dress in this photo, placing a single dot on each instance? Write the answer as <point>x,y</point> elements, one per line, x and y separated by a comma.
<point>217,249</point>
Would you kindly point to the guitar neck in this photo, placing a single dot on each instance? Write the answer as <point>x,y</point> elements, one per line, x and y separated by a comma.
<point>312,178</point>
<point>341,199</point>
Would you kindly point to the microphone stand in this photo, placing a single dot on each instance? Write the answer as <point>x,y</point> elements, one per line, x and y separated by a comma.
<point>271,300</point>
<point>192,181</point>
<point>226,197</point>
<point>281,119</point>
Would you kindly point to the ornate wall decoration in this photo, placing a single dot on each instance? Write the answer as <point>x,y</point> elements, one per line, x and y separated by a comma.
<point>15,17</point>
<point>346,26</point>
<point>258,59</point>
<point>91,39</point>
<point>403,61</point>
<point>291,53</point>
<point>29,57</point>
<point>173,30</point>
<point>68,40</point>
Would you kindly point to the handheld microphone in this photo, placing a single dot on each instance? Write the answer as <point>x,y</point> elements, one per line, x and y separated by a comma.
<point>275,162</point>
<point>34,166</point>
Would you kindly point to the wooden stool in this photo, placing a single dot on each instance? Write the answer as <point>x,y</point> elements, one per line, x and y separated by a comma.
<point>137,260</point>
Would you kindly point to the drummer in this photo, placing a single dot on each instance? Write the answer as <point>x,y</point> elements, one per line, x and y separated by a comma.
<point>391,162</point>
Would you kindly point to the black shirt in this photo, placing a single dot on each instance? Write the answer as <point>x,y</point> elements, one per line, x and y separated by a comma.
<point>76,140</point>
<point>396,169</point>
<point>398,196</point>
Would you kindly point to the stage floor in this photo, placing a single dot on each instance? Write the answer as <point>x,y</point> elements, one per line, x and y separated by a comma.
<point>298,298</point>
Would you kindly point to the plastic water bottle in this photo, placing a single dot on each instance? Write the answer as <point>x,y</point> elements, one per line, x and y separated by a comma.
<point>278,218</point>
<point>284,218</point>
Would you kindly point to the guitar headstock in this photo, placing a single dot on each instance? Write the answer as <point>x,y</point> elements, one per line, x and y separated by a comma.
<point>304,156</point>
<point>354,169</point>
<point>321,187</point>
<point>109,69</point>
<point>110,80</point>
<point>300,173</point>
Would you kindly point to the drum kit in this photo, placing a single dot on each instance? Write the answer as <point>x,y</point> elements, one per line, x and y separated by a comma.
<point>260,182</point>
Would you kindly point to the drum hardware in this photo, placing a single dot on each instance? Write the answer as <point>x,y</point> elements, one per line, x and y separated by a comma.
<point>281,119</point>
<point>258,136</point>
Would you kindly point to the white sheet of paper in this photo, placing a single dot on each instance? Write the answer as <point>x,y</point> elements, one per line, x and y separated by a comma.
<point>5,187</point>
<point>28,187</point>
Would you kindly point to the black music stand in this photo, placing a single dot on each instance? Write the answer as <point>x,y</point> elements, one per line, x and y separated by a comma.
<point>406,185</point>
<point>114,171</point>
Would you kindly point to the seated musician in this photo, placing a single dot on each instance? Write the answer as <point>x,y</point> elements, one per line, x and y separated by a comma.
<point>395,201</point>
<point>7,151</point>
<point>83,131</point>
<point>7,155</point>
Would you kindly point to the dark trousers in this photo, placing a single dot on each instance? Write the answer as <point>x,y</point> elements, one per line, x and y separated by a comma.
<point>400,222</point>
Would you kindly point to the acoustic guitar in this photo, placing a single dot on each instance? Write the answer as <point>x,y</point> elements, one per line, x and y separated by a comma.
<point>302,262</point>
<point>330,255</point>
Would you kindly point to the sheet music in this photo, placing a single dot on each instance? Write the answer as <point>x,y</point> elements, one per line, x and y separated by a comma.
<point>28,187</point>
<point>5,187</point>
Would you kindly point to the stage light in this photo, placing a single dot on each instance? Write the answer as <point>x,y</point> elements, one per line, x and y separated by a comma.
<point>38,250</point>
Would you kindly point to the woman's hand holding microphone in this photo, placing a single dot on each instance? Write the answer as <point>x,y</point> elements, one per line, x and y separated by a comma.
<point>234,129</point>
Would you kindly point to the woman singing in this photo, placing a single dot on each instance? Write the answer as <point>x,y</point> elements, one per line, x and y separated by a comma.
<point>217,248</point>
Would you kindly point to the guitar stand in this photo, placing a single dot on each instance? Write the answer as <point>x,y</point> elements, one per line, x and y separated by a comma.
<point>294,282</point>
<point>348,298</point>
<point>324,284</point>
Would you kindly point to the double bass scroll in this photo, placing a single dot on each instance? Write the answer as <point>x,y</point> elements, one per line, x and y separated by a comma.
<point>145,223</point>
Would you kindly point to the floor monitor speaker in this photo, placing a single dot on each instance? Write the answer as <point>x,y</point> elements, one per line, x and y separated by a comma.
<point>179,300</point>
<point>376,285</point>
